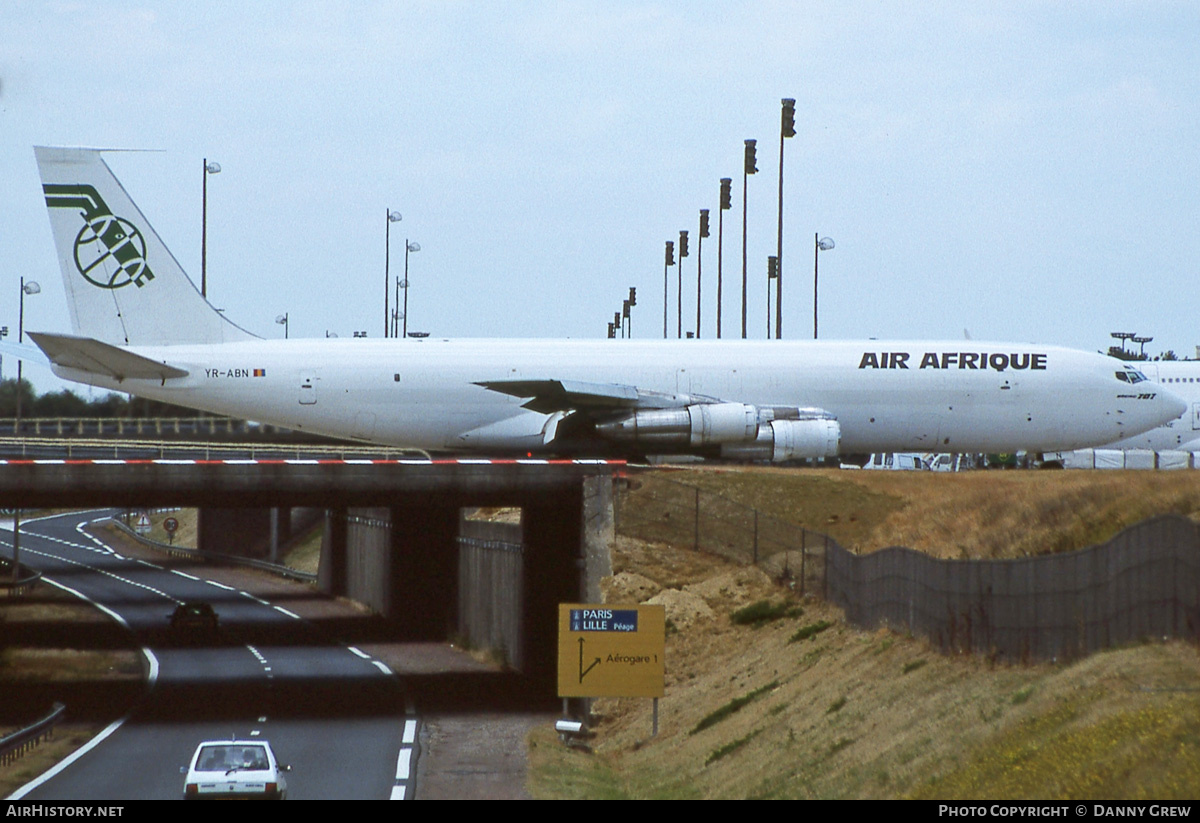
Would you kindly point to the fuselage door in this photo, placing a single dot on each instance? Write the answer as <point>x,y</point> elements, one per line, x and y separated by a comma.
<point>1196,417</point>
<point>308,389</point>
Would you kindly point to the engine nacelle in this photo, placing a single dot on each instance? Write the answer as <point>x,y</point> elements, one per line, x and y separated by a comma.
<point>741,431</point>
<point>781,440</point>
<point>701,424</point>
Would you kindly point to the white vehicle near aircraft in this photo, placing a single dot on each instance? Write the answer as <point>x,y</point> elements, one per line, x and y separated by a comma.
<point>140,326</point>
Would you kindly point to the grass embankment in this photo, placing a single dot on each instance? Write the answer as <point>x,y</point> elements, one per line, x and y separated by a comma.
<point>799,705</point>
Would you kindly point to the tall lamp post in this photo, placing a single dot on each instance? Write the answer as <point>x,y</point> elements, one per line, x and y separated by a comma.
<point>392,217</point>
<point>683,252</point>
<point>31,287</point>
<point>209,168</point>
<point>631,302</point>
<point>26,288</point>
<point>824,244</point>
<point>283,321</point>
<point>787,129</point>
<point>699,262</point>
<point>748,169</point>
<point>668,261</point>
<point>408,247</point>
<point>726,205</point>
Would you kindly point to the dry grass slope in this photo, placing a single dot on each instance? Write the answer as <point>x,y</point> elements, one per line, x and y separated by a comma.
<point>857,714</point>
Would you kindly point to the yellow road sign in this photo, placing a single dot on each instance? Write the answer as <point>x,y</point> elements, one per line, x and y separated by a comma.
<point>611,651</point>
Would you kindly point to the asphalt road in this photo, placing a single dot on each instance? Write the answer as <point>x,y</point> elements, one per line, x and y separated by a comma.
<point>335,713</point>
<point>308,672</point>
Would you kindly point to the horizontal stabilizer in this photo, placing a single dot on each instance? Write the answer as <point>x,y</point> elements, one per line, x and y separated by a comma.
<point>23,351</point>
<point>88,355</point>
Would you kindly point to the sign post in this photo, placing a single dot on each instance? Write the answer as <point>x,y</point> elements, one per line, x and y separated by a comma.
<point>611,651</point>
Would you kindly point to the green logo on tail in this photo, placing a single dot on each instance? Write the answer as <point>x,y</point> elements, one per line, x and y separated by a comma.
<point>110,252</point>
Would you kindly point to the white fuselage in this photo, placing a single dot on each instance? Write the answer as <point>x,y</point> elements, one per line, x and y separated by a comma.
<point>956,396</point>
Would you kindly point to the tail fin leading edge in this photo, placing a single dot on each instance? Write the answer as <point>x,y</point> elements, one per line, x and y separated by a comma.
<point>123,286</point>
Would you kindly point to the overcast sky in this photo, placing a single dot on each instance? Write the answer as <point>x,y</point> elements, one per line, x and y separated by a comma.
<point>1022,170</point>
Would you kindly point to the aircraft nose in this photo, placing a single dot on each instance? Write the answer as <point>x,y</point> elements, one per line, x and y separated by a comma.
<point>1172,405</point>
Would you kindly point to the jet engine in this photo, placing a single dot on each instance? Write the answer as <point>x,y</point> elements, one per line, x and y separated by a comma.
<point>733,430</point>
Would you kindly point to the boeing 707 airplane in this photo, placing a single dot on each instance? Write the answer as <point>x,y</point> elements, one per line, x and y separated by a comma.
<point>140,326</point>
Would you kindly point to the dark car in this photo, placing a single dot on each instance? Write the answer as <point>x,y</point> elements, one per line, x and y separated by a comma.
<point>194,619</point>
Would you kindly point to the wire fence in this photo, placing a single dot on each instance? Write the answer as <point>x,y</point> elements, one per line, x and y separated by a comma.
<point>654,508</point>
<point>1144,583</point>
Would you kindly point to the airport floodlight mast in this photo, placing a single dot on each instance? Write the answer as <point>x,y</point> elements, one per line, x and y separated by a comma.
<point>668,261</point>
<point>282,320</point>
<point>699,261</point>
<point>824,244</point>
<point>683,252</point>
<point>748,168</point>
<point>1142,341</point>
<point>772,278</point>
<point>631,302</point>
<point>409,248</point>
<point>787,129</point>
<point>31,287</point>
<point>209,168</point>
<point>1123,336</point>
<point>726,205</point>
<point>392,217</point>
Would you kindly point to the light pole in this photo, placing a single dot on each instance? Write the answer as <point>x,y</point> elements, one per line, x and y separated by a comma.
<point>787,128</point>
<point>726,205</point>
<point>283,321</point>
<point>392,217</point>
<point>772,274</point>
<point>408,247</point>
<point>748,169</point>
<point>631,302</point>
<point>209,168</point>
<point>31,287</point>
<point>699,262</point>
<point>824,244</point>
<point>683,252</point>
<point>668,261</point>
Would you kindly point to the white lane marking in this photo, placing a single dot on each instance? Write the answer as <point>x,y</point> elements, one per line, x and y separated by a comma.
<point>185,574</point>
<point>398,792</point>
<point>383,667</point>
<point>359,653</point>
<point>104,572</point>
<point>284,611</point>
<point>410,732</point>
<point>152,678</point>
<point>402,764</point>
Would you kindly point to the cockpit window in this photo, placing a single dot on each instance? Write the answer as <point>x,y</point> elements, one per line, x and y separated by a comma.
<point>1131,376</point>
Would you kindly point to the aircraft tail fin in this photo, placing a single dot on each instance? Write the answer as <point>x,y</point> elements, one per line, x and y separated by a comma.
<point>123,286</point>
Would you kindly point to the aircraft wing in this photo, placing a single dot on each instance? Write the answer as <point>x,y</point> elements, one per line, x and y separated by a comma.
<point>641,421</point>
<point>88,355</point>
<point>548,396</point>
